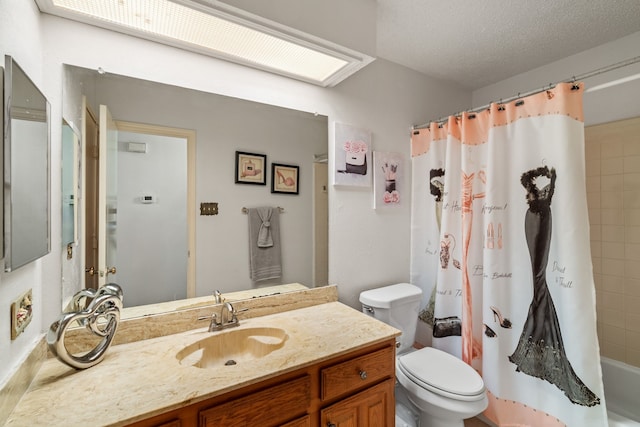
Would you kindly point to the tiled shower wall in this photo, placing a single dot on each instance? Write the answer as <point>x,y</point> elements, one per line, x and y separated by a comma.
<point>612,153</point>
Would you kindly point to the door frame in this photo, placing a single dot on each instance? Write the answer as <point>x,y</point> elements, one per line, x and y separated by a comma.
<point>85,222</point>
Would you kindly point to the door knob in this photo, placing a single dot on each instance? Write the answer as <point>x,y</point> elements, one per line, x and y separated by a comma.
<point>90,270</point>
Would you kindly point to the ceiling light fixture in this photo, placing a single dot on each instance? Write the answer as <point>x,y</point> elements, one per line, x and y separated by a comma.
<point>220,31</point>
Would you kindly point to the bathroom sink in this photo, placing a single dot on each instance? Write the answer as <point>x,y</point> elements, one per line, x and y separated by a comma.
<point>232,347</point>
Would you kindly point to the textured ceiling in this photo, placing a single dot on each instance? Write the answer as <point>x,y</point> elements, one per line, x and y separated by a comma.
<point>477,43</point>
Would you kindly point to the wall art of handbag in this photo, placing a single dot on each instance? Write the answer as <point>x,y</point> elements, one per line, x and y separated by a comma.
<point>356,163</point>
<point>447,327</point>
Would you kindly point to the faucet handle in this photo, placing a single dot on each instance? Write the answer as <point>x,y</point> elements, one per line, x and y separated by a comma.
<point>235,312</point>
<point>212,317</point>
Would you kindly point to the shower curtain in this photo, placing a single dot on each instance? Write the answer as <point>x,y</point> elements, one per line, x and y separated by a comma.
<point>500,247</point>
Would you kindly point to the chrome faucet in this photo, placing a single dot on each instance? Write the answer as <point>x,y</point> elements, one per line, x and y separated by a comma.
<point>228,318</point>
<point>217,296</point>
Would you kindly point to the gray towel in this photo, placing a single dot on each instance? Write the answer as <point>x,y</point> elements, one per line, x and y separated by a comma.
<point>264,234</point>
<point>264,244</point>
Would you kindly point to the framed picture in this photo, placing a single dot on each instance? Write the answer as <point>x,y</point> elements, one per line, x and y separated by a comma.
<point>250,168</point>
<point>284,179</point>
<point>352,156</point>
<point>388,180</point>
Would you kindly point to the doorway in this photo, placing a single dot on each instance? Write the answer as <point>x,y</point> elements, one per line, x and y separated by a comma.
<point>151,223</point>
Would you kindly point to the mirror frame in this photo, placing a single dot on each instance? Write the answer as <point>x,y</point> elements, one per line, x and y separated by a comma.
<point>10,263</point>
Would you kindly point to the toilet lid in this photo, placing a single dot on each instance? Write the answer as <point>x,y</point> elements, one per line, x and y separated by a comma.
<point>438,371</point>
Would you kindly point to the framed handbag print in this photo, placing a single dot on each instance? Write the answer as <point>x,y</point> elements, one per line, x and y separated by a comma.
<point>352,156</point>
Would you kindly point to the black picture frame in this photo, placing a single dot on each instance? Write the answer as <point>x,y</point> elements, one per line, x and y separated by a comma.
<point>285,179</point>
<point>251,168</point>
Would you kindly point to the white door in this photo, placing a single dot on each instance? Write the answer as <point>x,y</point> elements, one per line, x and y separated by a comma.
<point>108,198</point>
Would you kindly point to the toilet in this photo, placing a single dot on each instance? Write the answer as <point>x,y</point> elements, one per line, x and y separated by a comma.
<point>442,388</point>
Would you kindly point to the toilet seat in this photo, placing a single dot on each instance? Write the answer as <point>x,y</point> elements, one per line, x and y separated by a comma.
<point>443,374</point>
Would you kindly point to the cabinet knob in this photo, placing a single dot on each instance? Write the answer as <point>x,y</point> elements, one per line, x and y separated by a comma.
<point>330,424</point>
<point>363,375</point>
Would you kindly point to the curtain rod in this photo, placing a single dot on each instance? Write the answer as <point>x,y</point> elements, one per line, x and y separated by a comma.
<point>573,79</point>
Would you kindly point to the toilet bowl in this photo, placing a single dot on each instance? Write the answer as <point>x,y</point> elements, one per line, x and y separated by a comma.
<point>443,388</point>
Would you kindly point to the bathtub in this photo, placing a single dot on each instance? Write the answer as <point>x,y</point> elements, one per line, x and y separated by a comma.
<point>622,393</point>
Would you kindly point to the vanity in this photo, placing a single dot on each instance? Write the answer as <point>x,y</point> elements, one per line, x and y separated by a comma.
<point>322,365</point>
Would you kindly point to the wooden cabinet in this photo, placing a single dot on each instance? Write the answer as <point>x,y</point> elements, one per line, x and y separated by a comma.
<point>352,390</point>
<point>370,408</point>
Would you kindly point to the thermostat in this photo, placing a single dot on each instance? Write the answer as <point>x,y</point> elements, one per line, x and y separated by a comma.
<point>147,199</point>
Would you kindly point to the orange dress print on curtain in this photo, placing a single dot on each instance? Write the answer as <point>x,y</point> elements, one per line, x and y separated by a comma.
<point>471,348</point>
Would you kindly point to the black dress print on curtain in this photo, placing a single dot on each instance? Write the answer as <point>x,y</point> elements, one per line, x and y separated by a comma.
<point>540,351</point>
<point>436,187</point>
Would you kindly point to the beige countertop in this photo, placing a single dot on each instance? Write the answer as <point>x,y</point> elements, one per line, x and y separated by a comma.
<point>144,378</point>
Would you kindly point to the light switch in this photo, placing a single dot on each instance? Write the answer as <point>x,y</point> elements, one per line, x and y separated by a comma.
<point>209,208</point>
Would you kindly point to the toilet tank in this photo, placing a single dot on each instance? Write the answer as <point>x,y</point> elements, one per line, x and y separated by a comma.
<point>396,305</point>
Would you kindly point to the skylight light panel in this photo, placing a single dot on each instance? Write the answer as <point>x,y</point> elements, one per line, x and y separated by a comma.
<point>208,30</point>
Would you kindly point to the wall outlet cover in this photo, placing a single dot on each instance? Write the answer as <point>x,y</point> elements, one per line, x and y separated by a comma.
<point>21,313</point>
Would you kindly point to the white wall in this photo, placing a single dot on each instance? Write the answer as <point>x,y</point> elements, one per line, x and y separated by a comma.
<point>21,37</point>
<point>615,103</point>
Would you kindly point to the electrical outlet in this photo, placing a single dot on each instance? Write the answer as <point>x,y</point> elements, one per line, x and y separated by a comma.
<point>21,313</point>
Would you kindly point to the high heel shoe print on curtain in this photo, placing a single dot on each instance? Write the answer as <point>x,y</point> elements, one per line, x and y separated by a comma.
<point>540,351</point>
<point>497,316</point>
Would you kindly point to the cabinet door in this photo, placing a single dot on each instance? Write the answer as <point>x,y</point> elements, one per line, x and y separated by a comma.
<point>373,407</point>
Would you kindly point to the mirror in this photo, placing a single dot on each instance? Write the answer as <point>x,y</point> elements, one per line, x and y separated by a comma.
<point>27,228</point>
<point>69,185</point>
<point>222,126</point>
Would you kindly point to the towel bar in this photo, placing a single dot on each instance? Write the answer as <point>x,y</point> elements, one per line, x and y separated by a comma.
<point>245,210</point>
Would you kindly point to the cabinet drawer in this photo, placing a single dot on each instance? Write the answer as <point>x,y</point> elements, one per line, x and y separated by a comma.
<point>272,406</point>
<point>353,374</point>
